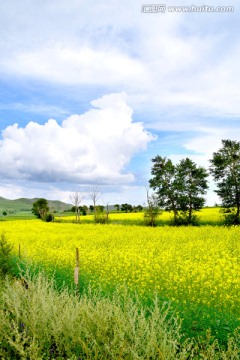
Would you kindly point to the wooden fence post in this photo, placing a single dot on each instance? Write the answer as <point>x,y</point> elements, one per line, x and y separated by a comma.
<point>76,270</point>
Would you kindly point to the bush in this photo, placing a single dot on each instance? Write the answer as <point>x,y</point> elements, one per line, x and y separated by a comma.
<point>100,217</point>
<point>230,216</point>
<point>183,220</point>
<point>49,217</point>
<point>150,216</point>
<point>5,250</point>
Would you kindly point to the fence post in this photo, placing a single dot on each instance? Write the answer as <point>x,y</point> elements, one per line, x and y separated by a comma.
<point>76,270</point>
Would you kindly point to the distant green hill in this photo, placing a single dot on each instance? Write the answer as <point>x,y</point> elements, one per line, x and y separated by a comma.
<point>24,204</point>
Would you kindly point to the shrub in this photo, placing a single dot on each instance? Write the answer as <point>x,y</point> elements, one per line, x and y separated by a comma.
<point>5,250</point>
<point>230,216</point>
<point>49,217</point>
<point>100,217</point>
<point>183,220</point>
<point>150,216</point>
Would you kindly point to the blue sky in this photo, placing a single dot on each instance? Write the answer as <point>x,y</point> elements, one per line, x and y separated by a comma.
<point>90,92</point>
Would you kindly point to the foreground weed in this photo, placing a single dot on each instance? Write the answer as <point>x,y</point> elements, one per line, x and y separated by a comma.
<point>37,322</point>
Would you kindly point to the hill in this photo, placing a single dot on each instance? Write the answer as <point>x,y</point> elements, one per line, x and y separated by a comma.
<point>24,204</point>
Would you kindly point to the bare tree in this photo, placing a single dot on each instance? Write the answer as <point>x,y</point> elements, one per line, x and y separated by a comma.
<point>94,193</point>
<point>76,198</point>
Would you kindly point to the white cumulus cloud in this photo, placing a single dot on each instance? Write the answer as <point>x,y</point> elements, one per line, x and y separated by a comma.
<point>93,147</point>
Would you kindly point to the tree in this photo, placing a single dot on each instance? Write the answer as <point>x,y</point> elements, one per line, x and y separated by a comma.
<point>94,193</point>
<point>152,211</point>
<point>191,182</point>
<point>76,199</point>
<point>164,183</point>
<point>126,207</point>
<point>117,207</point>
<point>91,208</point>
<point>83,209</point>
<point>139,208</point>
<point>40,208</point>
<point>179,188</point>
<point>225,168</point>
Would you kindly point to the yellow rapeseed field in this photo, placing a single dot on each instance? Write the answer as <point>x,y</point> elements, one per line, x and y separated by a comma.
<point>198,265</point>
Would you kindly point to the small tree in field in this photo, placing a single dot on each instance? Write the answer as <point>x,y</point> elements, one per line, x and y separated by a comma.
<point>153,211</point>
<point>40,208</point>
<point>76,199</point>
<point>94,193</point>
<point>191,181</point>
<point>117,207</point>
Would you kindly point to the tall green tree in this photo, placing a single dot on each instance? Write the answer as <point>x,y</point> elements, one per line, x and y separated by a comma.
<point>164,184</point>
<point>225,168</point>
<point>191,182</point>
<point>180,188</point>
<point>40,208</point>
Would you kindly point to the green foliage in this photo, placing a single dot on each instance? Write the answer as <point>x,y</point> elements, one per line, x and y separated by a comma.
<point>100,217</point>
<point>230,216</point>
<point>82,209</point>
<point>152,212</point>
<point>183,220</point>
<point>90,327</point>
<point>117,207</point>
<point>180,188</point>
<point>40,208</point>
<point>225,168</point>
<point>5,255</point>
<point>126,207</point>
<point>4,213</point>
<point>49,217</point>
<point>94,326</point>
<point>150,216</point>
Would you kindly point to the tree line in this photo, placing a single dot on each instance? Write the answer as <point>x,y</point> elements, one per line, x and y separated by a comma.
<point>180,188</point>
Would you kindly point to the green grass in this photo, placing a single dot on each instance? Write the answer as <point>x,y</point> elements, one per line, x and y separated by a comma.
<point>22,207</point>
<point>39,322</point>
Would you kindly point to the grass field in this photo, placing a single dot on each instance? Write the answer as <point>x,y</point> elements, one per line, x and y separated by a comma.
<point>195,269</point>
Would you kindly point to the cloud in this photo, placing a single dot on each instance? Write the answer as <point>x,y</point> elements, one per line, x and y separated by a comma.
<point>82,65</point>
<point>94,147</point>
<point>187,60</point>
